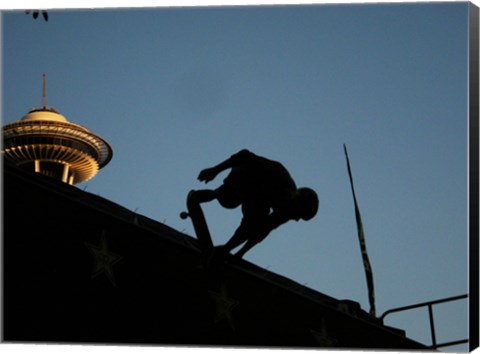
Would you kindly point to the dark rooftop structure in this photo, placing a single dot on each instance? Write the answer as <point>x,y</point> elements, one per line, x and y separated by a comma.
<point>83,269</point>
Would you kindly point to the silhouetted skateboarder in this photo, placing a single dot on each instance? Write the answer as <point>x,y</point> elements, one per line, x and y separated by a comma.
<point>265,190</point>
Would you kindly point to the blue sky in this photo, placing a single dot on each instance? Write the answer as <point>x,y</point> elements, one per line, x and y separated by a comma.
<point>175,90</point>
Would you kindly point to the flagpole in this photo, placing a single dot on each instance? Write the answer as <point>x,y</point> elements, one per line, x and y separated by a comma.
<point>363,246</point>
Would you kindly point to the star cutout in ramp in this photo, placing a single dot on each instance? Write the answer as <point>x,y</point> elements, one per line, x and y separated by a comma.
<point>322,337</point>
<point>104,259</point>
<point>224,306</point>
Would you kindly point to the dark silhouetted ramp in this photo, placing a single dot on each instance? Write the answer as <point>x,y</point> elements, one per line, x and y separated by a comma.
<point>79,268</point>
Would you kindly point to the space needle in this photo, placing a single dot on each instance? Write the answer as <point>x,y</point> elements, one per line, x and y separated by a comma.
<point>45,142</point>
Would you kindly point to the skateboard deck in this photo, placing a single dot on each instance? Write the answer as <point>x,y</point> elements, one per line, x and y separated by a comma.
<point>195,213</point>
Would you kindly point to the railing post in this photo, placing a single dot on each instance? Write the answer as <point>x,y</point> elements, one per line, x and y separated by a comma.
<point>430,313</point>
<point>432,326</point>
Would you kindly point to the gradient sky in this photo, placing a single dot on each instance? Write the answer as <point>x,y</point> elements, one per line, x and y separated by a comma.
<point>176,90</point>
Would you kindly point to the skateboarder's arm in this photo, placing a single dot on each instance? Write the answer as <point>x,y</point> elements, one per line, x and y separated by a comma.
<point>237,159</point>
<point>275,219</point>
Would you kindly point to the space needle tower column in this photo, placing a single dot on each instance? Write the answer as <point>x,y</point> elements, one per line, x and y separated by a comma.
<point>44,141</point>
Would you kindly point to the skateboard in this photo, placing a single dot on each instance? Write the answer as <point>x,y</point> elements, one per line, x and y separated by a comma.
<point>195,213</point>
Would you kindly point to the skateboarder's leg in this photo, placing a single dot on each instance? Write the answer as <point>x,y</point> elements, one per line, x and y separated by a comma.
<point>236,240</point>
<point>245,248</point>
<point>252,241</point>
<point>202,196</point>
<point>239,237</point>
<point>254,214</point>
<point>226,196</point>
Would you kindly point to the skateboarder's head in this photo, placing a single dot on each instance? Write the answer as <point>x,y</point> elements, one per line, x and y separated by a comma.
<point>306,203</point>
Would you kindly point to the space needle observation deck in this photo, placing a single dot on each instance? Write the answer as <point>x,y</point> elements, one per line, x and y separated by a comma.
<point>44,141</point>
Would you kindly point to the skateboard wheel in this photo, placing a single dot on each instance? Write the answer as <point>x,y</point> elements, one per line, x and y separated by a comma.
<point>184,215</point>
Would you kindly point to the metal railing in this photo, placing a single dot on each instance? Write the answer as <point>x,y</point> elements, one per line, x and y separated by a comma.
<point>430,304</point>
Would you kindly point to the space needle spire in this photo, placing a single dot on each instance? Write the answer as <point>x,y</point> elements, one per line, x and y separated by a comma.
<point>44,91</point>
<point>45,142</point>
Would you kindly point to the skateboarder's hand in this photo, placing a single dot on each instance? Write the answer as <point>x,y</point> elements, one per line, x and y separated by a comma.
<point>207,175</point>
